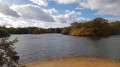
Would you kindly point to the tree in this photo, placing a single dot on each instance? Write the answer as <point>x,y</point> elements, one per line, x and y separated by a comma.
<point>115,27</point>
<point>57,30</point>
<point>37,31</point>
<point>11,30</point>
<point>66,31</point>
<point>83,32</point>
<point>98,26</point>
<point>8,57</point>
<point>21,31</point>
<point>3,32</point>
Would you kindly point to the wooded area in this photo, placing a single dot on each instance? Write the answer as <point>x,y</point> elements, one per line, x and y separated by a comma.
<point>96,27</point>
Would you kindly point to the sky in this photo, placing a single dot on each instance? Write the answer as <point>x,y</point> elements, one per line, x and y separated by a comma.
<point>55,13</point>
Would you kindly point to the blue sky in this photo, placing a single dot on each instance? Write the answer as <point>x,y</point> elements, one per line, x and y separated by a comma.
<point>56,13</point>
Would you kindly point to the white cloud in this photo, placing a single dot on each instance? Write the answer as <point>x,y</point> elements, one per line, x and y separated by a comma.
<point>104,6</point>
<point>40,2</point>
<point>113,19</point>
<point>50,25</point>
<point>54,10</point>
<point>33,13</point>
<point>111,7</point>
<point>79,8</point>
<point>42,16</point>
<point>50,11</point>
<point>72,12</point>
<point>67,1</point>
<point>5,10</point>
<point>10,22</point>
<point>69,17</point>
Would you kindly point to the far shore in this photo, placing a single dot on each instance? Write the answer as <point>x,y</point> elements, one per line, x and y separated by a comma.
<point>76,62</point>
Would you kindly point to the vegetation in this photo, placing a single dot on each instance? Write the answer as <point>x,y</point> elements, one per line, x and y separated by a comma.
<point>115,27</point>
<point>32,30</point>
<point>96,27</point>
<point>4,32</point>
<point>66,30</point>
<point>8,57</point>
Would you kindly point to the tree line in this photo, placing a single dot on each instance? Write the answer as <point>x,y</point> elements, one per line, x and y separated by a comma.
<point>32,30</point>
<point>5,32</point>
<point>96,27</point>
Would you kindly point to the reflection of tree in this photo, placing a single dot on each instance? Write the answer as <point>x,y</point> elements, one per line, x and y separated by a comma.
<point>98,43</point>
<point>8,57</point>
<point>95,38</point>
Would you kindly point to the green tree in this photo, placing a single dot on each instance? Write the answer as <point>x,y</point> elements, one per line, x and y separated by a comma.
<point>3,32</point>
<point>8,56</point>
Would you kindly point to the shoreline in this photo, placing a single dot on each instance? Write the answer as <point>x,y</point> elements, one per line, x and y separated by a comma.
<point>75,62</point>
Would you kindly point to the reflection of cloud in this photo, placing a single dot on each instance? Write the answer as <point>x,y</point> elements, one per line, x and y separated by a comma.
<point>95,38</point>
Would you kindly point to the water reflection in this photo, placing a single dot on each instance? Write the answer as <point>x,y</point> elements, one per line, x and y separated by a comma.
<point>44,46</point>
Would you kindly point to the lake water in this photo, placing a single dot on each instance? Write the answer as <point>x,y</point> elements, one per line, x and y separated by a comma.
<point>44,46</point>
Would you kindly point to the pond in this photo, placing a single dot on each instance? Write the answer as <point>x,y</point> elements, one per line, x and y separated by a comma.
<point>34,47</point>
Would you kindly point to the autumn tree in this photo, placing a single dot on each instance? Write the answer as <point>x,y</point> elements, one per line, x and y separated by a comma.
<point>66,30</point>
<point>97,26</point>
<point>115,27</point>
<point>37,31</point>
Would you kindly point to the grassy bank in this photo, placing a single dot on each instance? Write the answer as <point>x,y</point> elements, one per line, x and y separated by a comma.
<point>76,62</point>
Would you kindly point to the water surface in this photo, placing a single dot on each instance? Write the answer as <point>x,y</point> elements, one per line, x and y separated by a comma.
<point>44,46</point>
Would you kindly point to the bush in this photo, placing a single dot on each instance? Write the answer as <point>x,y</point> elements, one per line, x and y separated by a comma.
<point>66,31</point>
<point>3,33</point>
<point>8,57</point>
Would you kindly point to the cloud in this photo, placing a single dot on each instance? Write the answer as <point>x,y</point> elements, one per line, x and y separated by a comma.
<point>69,17</point>
<point>79,8</point>
<point>33,13</point>
<point>73,12</point>
<point>67,1</point>
<point>50,25</point>
<point>103,6</point>
<point>9,22</point>
<point>50,11</point>
<point>40,2</point>
<point>113,19</point>
<point>110,7</point>
<point>5,10</point>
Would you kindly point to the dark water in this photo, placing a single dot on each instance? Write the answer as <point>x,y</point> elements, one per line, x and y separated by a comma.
<point>44,46</point>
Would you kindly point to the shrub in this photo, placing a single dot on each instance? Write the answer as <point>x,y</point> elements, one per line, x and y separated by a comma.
<point>8,57</point>
<point>3,33</point>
